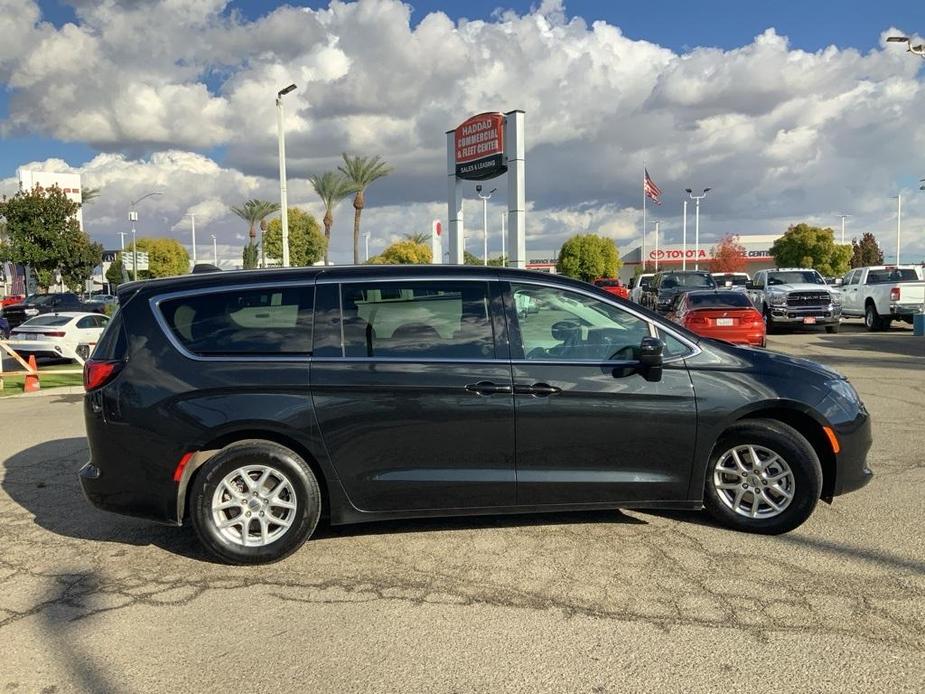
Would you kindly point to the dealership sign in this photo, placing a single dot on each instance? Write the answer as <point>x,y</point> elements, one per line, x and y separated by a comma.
<point>479,145</point>
<point>679,254</point>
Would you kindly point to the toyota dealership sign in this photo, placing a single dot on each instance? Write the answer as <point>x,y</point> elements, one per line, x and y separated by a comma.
<point>479,144</point>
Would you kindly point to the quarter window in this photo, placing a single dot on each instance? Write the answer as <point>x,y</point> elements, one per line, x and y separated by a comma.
<point>557,324</point>
<point>436,320</point>
<point>265,321</point>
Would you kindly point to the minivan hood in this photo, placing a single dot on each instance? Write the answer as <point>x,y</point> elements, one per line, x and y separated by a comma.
<point>765,360</point>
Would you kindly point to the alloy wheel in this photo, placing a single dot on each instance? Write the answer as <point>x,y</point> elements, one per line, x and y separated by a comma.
<point>754,481</point>
<point>254,506</point>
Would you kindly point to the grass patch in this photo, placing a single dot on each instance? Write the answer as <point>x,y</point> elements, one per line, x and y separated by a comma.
<point>48,378</point>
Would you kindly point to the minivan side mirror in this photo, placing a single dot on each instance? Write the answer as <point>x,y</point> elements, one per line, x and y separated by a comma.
<point>650,358</point>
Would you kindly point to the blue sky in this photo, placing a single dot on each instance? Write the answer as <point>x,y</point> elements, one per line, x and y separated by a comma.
<point>810,26</point>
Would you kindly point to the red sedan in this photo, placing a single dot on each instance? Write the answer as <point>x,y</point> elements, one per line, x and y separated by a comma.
<point>612,285</point>
<point>721,314</point>
<point>11,299</point>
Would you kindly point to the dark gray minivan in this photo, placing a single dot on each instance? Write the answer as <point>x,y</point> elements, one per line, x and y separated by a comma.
<point>251,404</point>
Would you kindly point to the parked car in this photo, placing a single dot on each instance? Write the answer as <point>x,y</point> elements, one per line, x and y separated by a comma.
<point>250,403</point>
<point>640,284</point>
<point>63,335</point>
<point>720,314</point>
<point>667,285</point>
<point>882,294</point>
<point>11,299</point>
<point>613,285</point>
<point>37,304</point>
<point>790,297</point>
<point>102,299</point>
<point>731,280</point>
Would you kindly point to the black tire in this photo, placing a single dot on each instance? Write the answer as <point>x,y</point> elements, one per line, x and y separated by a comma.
<point>769,327</point>
<point>872,320</point>
<point>255,452</point>
<point>834,328</point>
<point>790,445</point>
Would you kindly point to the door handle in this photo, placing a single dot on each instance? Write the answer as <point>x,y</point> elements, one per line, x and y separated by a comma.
<point>487,388</point>
<point>540,390</point>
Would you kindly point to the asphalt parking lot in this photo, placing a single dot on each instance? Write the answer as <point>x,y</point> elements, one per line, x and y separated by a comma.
<point>583,602</point>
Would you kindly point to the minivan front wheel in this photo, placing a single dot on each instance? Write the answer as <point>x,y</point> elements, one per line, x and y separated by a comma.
<point>763,477</point>
<point>254,502</point>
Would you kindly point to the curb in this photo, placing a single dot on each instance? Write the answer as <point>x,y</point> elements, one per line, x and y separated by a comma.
<point>60,390</point>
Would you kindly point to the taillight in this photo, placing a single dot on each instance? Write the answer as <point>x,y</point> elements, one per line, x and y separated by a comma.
<point>695,319</point>
<point>894,294</point>
<point>752,317</point>
<point>99,373</point>
<point>54,333</point>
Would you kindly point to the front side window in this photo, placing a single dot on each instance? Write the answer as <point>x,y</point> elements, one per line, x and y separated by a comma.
<point>423,320</point>
<point>557,324</point>
<point>258,322</point>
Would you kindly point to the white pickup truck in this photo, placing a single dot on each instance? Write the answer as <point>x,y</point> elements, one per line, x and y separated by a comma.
<point>883,293</point>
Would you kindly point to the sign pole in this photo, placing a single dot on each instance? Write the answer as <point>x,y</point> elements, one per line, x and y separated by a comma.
<point>516,187</point>
<point>684,240</point>
<point>454,201</point>
<point>644,227</point>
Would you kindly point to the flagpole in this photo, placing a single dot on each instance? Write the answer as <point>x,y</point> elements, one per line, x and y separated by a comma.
<point>644,227</point>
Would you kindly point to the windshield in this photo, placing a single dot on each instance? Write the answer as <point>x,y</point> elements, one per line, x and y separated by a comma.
<point>719,300</point>
<point>687,281</point>
<point>892,275</point>
<point>731,280</point>
<point>795,277</point>
<point>40,299</point>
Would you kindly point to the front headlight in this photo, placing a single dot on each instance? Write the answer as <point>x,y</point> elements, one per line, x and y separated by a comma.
<point>777,299</point>
<point>836,299</point>
<point>845,394</point>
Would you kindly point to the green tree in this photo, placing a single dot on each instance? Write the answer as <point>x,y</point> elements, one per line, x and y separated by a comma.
<point>166,257</point>
<point>331,187</point>
<point>307,245</point>
<point>87,195</point>
<point>250,256</point>
<point>42,232</point>
<point>254,212</point>
<point>114,272</point>
<point>866,251</point>
<point>500,261</point>
<point>471,258</point>
<point>803,245</point>
<point>405,252</point>
<point>361,172</point>
<point>589,256</point>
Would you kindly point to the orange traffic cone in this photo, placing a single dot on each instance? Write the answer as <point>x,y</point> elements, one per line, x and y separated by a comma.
<point>31,384</point>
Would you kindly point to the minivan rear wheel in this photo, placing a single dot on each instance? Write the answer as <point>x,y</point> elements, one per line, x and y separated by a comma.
<point>254,502</point>
<point>763,477</point>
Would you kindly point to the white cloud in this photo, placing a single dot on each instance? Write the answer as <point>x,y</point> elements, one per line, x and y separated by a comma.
<point>781,134</point>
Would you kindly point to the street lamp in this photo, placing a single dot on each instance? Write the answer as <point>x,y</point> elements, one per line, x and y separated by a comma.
<point>899,222</point>
<point>133,217</point>
<point>656,244</point>
<point>284,213</point>
<point>684,240</point>
<point>366,245</point>
<point>485,199</point>
<point>192,218</point>
<point>915,50</point>
<point>697,199</point>
<point>843,218</point>
<point>214,250</point>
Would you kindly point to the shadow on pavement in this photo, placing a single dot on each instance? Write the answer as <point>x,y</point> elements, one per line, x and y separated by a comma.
<point>43,480</point>
<point>854,552</point>
<point>443,524</point>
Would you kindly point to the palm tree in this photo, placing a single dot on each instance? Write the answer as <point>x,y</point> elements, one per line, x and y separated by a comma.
<point>361,171</point>
<point>254,212</point>
<point>331,187</point>
<point>418,237</point>
<point>88,194</point>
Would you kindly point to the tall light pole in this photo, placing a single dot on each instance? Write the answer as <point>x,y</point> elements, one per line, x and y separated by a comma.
<point>503,242</point>
<point>366,245</point>
<point>843,218</point>
<point>915,50</point>
<point>214,250</point>
<point>899,224</point>
<point>284,213</point>
<point>133,217</point>
<point>192,218</point>
<point>684,239</point>
<point>122,238</point>
<point>485,199</point>
<point>697,199</point>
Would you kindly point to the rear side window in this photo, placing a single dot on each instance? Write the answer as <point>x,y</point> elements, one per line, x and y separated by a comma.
<point>112,344</point>
<point>442,320</point>
<point>264,321</point>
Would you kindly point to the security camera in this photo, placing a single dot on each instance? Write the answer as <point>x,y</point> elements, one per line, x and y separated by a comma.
<point>478,188</point>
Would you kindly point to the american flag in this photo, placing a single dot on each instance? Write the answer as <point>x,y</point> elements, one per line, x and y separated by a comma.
<point>651,191</point>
